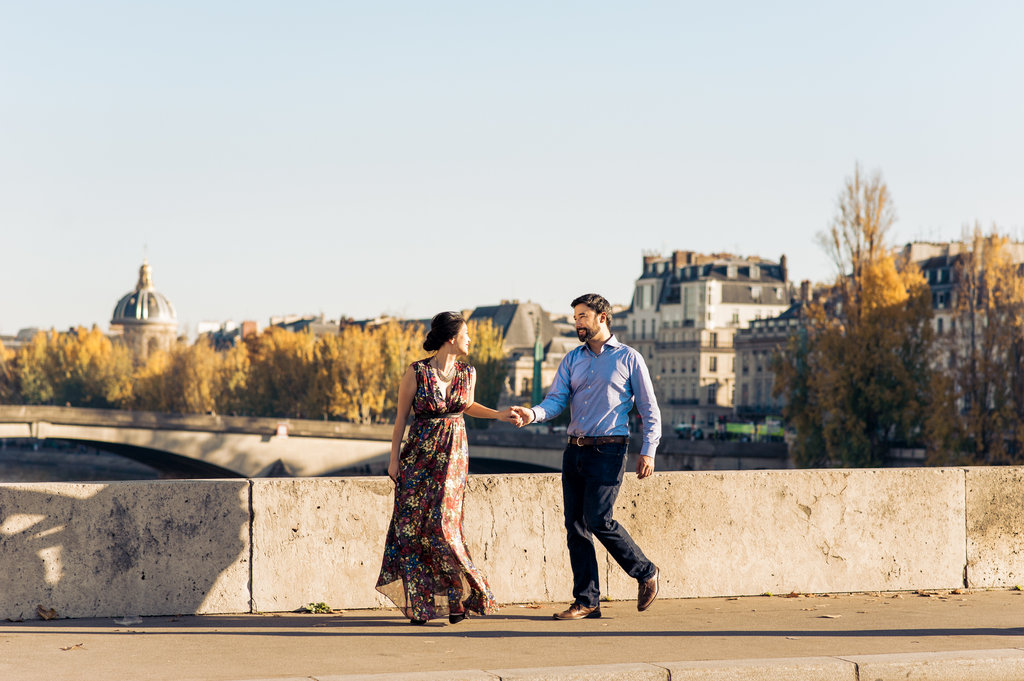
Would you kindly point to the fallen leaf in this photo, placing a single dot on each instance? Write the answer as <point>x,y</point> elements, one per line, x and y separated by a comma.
<point>793,638</point>
<point>529,605</point>
<point>829,617</point>
<point>46,613</point>
<point>74,647</point>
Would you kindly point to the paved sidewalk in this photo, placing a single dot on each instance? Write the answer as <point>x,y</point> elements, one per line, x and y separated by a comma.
<point>279,646</point>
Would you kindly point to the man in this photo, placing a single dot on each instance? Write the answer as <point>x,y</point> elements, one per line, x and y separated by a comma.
<point>600,380</point>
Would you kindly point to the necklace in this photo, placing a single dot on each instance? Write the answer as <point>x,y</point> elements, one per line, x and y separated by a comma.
<point>445,378</point>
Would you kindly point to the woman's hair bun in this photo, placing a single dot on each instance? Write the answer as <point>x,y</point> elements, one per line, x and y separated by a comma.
<point>443,327</point>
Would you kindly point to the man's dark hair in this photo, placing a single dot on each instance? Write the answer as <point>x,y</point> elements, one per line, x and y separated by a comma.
<point>596,303</point>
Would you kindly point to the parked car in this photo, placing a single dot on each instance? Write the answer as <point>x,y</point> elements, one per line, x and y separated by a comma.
<point>689,432</point>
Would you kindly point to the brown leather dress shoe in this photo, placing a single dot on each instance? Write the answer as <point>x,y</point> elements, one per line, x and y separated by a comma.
<point>578,612</point>
<point>647,592</point>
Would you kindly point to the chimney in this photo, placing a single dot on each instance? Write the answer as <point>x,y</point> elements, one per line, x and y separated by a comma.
<point>805,291</point>
<point>782,267</point>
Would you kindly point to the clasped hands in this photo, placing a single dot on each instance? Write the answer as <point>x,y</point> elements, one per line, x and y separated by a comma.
<point>517,416</point>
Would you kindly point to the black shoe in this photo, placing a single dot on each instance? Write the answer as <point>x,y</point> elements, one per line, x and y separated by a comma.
<point>456,617</point>
<point>417,622</point>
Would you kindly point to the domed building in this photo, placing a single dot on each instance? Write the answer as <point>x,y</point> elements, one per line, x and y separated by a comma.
<point>144,318</point>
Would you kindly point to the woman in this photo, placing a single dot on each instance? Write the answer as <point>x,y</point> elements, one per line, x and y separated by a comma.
<point>427,570</point>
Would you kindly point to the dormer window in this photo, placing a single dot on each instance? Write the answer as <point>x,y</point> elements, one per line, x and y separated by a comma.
<point>755,272</point>
<point>730,271</point>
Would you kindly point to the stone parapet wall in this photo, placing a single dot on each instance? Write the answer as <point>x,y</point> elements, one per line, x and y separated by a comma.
<point>176,547</point>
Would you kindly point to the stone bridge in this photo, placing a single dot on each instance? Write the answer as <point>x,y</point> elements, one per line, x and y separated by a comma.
<point>233,446</point>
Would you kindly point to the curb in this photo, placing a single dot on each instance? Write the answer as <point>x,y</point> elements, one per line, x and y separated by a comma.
<point>978,665</point>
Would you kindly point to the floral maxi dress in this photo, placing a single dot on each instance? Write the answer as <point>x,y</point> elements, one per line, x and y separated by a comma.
<point>427,570</point>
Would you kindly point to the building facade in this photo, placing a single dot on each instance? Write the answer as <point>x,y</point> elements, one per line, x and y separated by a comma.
<point>684,316</point>
<point>522,325</point>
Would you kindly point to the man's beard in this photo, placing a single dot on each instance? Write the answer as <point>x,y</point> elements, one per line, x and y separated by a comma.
<point>585,334</point>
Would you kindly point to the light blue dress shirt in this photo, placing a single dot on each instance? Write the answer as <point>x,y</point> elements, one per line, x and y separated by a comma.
<point>602,389</point>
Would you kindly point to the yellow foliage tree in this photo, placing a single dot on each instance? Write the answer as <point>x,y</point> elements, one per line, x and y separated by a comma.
<point>361,374</point>
<point>858,380</point>
<point>80,368</point>
<point>281,371</point>
<point>984,346</point>
<point>8,377</point>
<point>487,354</point>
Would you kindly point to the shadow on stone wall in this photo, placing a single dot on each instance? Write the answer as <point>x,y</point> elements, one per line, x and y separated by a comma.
<point>96,550</point>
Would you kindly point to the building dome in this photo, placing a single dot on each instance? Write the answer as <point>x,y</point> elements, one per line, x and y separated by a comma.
<point>145,305</point>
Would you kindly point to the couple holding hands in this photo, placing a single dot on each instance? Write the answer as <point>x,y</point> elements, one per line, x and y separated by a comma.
<point>427,570</point>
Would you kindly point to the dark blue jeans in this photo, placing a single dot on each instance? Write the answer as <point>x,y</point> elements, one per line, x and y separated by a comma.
<point>591,477</point>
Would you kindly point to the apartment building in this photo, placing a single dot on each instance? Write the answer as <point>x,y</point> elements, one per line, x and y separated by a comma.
<point>685,313</point>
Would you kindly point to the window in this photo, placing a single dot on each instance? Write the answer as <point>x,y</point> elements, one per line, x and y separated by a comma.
<point>938,325</point>
<point>713,393</point>
<point>713,363</point>
<point>643,328</point>
<point>713,339</point>
<point>735,317</point>
<point>755,293</point>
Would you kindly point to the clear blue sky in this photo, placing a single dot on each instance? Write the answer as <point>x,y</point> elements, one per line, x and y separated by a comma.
<point>407,157</point>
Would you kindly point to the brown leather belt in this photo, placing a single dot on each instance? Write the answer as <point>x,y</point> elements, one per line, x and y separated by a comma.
<point>581,441</point>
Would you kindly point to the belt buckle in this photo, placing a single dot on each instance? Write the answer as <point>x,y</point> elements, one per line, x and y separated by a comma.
<point>579,440</point>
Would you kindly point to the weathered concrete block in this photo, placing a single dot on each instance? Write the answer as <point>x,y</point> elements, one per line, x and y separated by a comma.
<point>597,672</point>
<point>323,539</point>
<point>515,532</point>
<point>99,550</point>
<point>750,532</point>
<point>775,669</point>
<point>976,665</point>
<point>318,539</point>
<point>995,527</point>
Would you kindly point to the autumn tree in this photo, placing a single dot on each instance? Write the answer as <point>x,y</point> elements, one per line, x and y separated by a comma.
<point>487,354</point>
<point>8,377</point>
<point>985,350</point>
<point>281,373</point>
<point>400,346</point>
<point>81,368</point>
<point>362,375</point>
<point>860,381</point>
